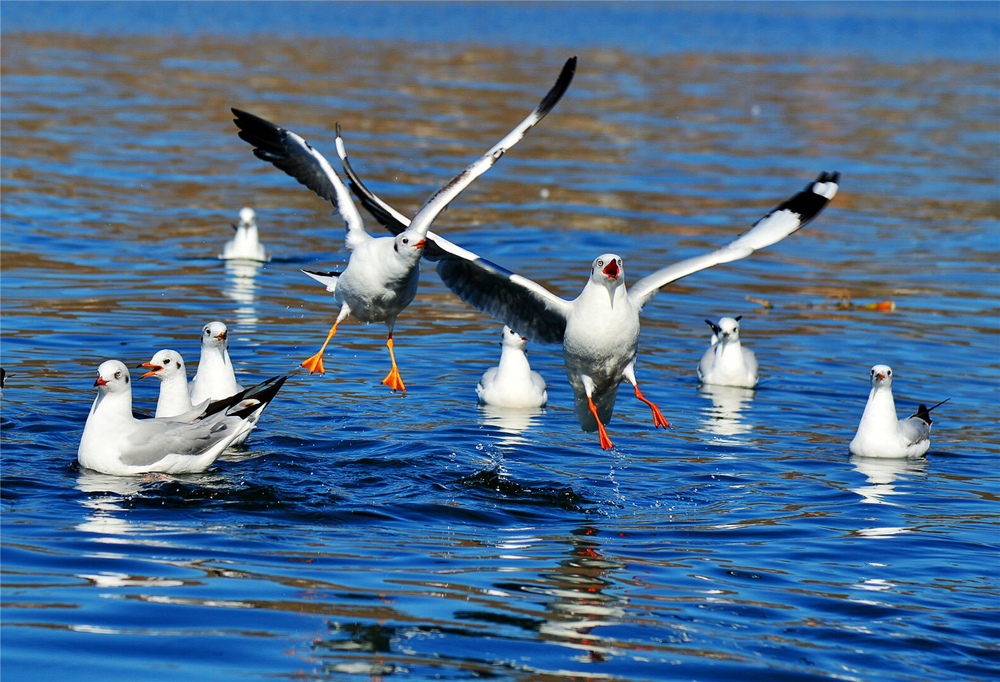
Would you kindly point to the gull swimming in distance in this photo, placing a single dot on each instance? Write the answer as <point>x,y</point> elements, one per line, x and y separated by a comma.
<point>727,362</point>
<point>881,433</point>
<point>245,244</point>
<point>382,274</point>
<point>512,383</point>
<point>114,442</point>
<point>599,329</point>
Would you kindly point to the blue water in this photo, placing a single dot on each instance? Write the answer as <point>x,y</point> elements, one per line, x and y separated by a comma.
<point>365,535</point>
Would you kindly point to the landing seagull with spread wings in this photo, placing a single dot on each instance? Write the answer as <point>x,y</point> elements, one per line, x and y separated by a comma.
<point>381,276</point>
<point>599,329</point>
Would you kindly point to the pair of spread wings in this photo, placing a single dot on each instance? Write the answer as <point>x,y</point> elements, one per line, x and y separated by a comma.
<point>519,302</point>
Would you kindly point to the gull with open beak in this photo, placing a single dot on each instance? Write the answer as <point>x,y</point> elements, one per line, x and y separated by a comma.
<point>599,329</point>
<point>381,276</point>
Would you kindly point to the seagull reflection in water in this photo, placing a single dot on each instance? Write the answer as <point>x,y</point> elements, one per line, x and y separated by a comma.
<point>723,419</point>
<point>882,474</point>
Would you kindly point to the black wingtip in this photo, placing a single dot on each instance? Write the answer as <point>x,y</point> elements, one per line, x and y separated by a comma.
<point>559,89</point>
<point>716,329</point>
<point>814,198</point>
<point>924,412</point>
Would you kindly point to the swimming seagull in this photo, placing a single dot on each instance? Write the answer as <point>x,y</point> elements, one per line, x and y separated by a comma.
<point>726,362</point>
<point>114,442</point>
<point>215,378</point>
<point>880,433</point>
<point>599,329</point>
<point>381,276</point>
<point>512,383</point>
<point>245,244</point>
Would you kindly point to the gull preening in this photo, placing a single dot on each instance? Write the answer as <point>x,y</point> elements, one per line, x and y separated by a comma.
<point>114,442</point>
<point>215,378</point>
<point>245,244</point>
<point>881,433</point>
<point>512,383</point>
<point>599,329</point>
<point>727,362</point>
<point>381,276</point>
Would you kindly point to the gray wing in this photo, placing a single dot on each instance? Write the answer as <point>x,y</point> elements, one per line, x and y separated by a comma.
<point>780,222</point>
<point>913,430</point>
<point>292,154</point>
<point>154,439</point>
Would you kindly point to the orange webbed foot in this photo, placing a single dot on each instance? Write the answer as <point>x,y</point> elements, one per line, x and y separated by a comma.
<point>601,432</point>
<point>658,418</point>
<point>393,380</point>
<point>315,364</point>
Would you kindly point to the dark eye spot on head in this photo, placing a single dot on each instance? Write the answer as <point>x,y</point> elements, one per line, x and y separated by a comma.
<point>127,379</point>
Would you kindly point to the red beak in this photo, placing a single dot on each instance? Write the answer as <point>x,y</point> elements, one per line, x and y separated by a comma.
<point>100,381</point>
<point>421,244</point>
<point>611,270</point>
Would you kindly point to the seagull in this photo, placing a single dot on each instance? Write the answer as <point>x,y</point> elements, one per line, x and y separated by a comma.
<point>726,362</point>
<point>880,433</point>
<point>245,244</point>
<point>175,396</point>
<point>512,383</point>
<point>381,276</point>
<point>599,329</point>
<point>215,377</point>
<point>114,442</point>
<point>174,400</point>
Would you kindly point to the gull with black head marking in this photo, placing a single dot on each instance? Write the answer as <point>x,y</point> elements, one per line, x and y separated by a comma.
<point>114,442</point>
<point>599,329</point>
<point>881,433</point>
<point>727,362</point>
<point>381,276</point>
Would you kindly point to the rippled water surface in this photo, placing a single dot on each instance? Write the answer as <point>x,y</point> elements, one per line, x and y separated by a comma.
<point>361,534</point>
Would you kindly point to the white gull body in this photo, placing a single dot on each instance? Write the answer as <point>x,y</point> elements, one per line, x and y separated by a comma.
<point>245,244</point>
<point>727,362</point>
<point>881,433</point>
<point>381,276</point>
<point>114,442</point>
<point>215,378</point>
<point>512,383</point>
<point>599,329</point>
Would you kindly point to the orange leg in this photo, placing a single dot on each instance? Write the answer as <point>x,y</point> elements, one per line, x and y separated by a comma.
<point>605,441</point>
<point>315,363</point>
<point>392,379</point>
<point>658,418</point>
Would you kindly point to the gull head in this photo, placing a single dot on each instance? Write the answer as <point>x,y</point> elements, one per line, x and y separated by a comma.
<point>409,245</point>
<point>164,364</point>
<point>727,331</point>
<point>247,217</point>
<point>881,376</point>
<point>511,339</point>
<point>113,377</point>
<point>215,335</point>
<point>607,270</point>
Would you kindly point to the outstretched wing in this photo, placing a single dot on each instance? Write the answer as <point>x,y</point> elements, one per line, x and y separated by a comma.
<point>292,154</point>
<point>780,222</point>
<point>440,199</point>
<point>518,302</point>
<point>396,222</point>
